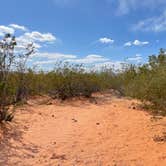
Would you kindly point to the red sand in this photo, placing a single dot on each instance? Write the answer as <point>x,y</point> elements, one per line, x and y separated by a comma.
<point>83,133</point>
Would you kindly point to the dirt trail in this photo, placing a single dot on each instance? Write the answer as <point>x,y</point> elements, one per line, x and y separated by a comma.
<point>111,132</point>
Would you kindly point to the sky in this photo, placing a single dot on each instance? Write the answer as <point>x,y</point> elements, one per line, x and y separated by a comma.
<point>91,32</point>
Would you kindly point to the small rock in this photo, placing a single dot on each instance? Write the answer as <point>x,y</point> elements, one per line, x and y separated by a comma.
<point>74,120</point>
<point>61,157</point>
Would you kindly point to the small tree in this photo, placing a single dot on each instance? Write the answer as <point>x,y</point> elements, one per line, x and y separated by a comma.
<point>7,64</point>
<point>21,93</point>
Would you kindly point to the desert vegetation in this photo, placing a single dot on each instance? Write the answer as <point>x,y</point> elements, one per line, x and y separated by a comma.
<point>147,82</point>
<point>38,136</point>
<point>12,66</point>
<point>17,82</point>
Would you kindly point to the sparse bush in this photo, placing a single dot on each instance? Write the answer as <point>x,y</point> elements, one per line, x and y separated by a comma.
<point>7,67</point>
<point>146,82</point>
<point>71,80</point>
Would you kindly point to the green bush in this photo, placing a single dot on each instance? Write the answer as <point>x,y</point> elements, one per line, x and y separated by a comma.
<point>71,81</point>
<point>148,82</point>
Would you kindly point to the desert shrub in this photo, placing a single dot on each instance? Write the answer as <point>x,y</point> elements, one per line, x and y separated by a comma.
<point>71,80</point>
<point>148,82</point>
<point>8,63</point>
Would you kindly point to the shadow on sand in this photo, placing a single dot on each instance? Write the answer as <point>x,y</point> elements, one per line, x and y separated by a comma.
<point>12,145</point>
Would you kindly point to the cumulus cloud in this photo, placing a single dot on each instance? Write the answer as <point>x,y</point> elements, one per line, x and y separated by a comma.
<point>136,43</point>
<point>11,29</point>
<point>6,29</point>
<point>34,37</point>
<point>106,40</point>
<point>19,27</point>
<point>128,44</point>
<point>37,36</point>
<point>139,43</point>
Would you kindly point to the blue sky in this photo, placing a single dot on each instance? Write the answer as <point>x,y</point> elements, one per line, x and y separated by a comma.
<point>93,32</point>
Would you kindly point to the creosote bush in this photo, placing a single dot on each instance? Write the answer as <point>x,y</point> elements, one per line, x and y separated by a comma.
<point>17,82</point>
<point>147,82</point>
<point>71,80</point>
<point>8,63</point>
<point>68,80</point>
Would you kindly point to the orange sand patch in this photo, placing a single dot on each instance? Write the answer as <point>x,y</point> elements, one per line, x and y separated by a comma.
<point>102,132</point>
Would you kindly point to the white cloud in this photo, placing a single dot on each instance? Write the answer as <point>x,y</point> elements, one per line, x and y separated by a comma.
<point>37,36</point>
<point>6,29</point>
<point>139,43</point>
<point>92,62</point>
<point>34,37</point>
<point>94,56</point>
<point>128,44</point>
<point>11,29</point>
<point>39,40</point>
<point>54,56</point>
<point>155,24</point>
<point>51,58</point>
<point>106,40</point>
<point>19,27</point>
<point>137,58</point>
<point>136,43</point>
<point>21,47</point>
<point>45,62</point>
<point>89,59</point>
<point>22,44</point>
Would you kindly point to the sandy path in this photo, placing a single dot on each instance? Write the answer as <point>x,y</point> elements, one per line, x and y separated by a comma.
<point>80,133</point>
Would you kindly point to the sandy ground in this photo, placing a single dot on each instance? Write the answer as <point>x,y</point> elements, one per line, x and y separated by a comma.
<point>108,131</point>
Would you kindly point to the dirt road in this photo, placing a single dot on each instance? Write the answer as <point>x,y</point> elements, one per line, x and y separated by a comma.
<point>109,132</point>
